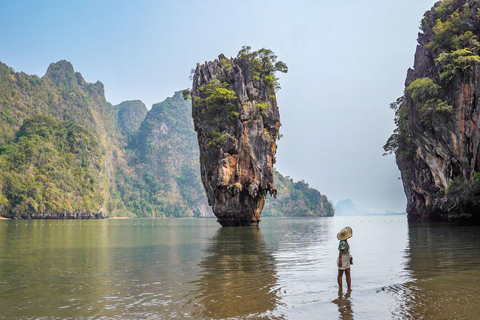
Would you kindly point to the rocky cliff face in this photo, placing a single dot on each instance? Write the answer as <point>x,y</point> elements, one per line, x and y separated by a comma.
<point>437,138</point>
<point>166,162</point>
<point>237,123</point>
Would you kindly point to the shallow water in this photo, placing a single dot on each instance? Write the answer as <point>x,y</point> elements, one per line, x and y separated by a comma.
<point>193,268</point>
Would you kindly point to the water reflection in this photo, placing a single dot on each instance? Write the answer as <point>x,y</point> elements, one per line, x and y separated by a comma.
<point>184,269</point>
<point>48,256</point>
<point>443,261</point>
<point>237,277</point>
<point>344,305</point>
<point>92,269</point>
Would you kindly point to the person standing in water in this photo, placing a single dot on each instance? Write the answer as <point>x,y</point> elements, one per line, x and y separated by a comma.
<point>343,260</point>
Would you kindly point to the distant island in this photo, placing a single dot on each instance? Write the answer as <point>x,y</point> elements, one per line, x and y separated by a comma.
<point>347,208</point>
<point>65,152</point>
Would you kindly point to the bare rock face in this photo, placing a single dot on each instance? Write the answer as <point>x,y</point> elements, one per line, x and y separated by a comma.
<point>237,123</point>
<point>437,140</point>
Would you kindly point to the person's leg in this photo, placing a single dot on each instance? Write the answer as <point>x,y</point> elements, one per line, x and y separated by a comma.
<point>339,278</point>
<point>349,279</point>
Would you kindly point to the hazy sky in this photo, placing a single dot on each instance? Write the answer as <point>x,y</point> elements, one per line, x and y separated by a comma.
<point>347,61</point>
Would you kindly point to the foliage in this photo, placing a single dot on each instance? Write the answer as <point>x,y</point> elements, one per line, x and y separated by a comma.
<point>453,33</point>
<point>217,138</point>
<point>221,94</point>
<point>130,116</point>
<point>424,93</point>
<point>455,40</point>
<point>296,199</point>
<point>226,64</point>
<point>444,9</point>
<point>50,168</point>
<point>63,95</point>
<point>455,185</point>
<point>456,62</point>
<point>166,179</point>
<point>476,177</point>
<point>219,102</point>
<point>216,94</point>
<point>422,90</point>
<point>400,142</point>
<point>265,65</point>
<point>187,94</point>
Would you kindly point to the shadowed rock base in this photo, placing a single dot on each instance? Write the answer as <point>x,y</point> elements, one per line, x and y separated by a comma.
<point>230,222</point>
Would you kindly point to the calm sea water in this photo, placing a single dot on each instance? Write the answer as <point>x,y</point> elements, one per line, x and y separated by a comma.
<point>194,269</point>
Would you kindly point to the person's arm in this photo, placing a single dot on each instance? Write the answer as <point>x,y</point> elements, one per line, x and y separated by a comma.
<point>340,259</point>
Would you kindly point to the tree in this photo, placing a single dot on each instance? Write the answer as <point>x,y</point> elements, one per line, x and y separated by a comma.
<point>265,64</point>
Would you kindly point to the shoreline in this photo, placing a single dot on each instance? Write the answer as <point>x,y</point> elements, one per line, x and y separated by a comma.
<point>120,218</point>
<point>115,218</point>
<point>160,217</point>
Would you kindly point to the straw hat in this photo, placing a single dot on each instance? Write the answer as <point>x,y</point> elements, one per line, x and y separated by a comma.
<point>345,233</point>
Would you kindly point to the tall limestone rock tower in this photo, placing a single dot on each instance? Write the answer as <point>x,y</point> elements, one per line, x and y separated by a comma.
<point>437,139</point>
<point>237,123</point>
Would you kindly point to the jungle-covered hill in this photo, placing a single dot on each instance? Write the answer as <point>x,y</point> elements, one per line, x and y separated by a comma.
<point>65,152</point>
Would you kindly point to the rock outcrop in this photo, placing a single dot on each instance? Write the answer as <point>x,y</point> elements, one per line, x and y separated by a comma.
<point>130,116</point>
<point>437,140</point>
<point>237,123</point>
<point>166,160</point>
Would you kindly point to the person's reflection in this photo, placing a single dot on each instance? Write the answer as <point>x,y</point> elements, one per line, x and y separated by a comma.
<point>344,305</point>
<point>237,277</point>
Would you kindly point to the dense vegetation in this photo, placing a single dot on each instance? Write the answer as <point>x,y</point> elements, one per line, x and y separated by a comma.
<point>296,199</point>
<point>265,65</point>
<point>66,152</point>
<point>64,96</point>
<point>130,116</point>
<point>50,168</point>
<point>164,157</point>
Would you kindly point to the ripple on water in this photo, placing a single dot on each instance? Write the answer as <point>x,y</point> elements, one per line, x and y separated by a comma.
<point>283,270</point>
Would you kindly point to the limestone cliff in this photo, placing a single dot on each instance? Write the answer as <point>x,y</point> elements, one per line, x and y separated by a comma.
<point>56,144</point>
<point>237,123</point>
<point>166,163</point>
<point>437,139</point>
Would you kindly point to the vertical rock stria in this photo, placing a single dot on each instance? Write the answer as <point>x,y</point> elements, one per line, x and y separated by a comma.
<point>237,123</point>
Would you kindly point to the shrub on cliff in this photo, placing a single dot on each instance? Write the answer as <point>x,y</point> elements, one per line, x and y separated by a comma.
<point>265,65</point>
<point>456,63</point>
<point>455,38</point>
<point>425,95</point>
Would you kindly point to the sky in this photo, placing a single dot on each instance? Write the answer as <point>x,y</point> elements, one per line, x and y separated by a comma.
<point>347,62</point>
